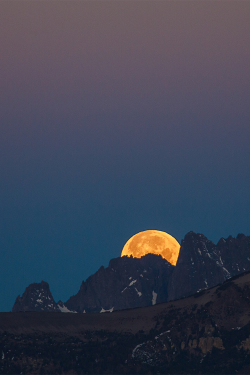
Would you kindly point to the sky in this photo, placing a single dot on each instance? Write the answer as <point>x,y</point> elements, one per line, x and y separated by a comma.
<point>118,117</point>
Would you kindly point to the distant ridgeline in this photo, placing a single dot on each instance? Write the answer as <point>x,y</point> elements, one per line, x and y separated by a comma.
<point>138,282</point>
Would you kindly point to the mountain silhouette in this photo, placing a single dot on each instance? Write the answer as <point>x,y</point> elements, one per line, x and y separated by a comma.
<point>137,282</point>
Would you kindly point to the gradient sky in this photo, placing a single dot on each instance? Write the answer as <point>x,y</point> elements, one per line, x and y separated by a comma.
<point>118,117</point>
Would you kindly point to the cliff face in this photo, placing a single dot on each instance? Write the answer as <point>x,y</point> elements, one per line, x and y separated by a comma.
<point>235,254</point>
<point>199,266</point>
<point>131,282</point>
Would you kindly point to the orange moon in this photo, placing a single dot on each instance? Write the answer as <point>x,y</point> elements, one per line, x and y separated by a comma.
<point>152,242</point>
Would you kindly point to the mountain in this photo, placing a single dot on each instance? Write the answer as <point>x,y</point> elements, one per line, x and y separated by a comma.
<point>37,297</point>
<point>125,283</point>
<point>202,264</point>
<point>235,253</point>
<point>132,282</point>
<point>206,333</point>
<point>198,267</point>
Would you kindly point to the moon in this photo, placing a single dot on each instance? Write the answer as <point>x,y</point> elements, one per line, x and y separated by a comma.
<point>152,242</point>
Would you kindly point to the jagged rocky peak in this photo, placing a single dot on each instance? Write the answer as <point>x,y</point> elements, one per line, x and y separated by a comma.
<point>197,240</point>
<point>235,253</point>
<point>195,247</point>
<point>130,282</point>
<point>126,283</point>
<point>37,297</point>
<point>198,267</point>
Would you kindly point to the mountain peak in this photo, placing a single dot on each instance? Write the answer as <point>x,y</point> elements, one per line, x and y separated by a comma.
<point>37,297</point>
<point>126,283</point>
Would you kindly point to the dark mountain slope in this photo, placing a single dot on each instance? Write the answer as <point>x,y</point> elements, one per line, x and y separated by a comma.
<point>37,297</point>
<point>207,333</point>
<point>198,267</point>
<point>125,283</point>
<point>235,253</point>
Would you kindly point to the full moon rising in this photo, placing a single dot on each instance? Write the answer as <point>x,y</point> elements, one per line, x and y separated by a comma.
<point>152,242</point>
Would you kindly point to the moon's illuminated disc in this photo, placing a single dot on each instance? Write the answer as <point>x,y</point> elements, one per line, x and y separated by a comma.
<point>152,242</point>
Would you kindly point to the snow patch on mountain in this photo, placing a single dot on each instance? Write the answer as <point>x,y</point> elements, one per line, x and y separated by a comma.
<point>154,297</point>
<point>103,311</point>
<point>132,282</point>
<point>63,308</point>
<point>139,293</point>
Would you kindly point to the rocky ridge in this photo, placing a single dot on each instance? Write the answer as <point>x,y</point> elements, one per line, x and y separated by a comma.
<point>125,283</point>
<point>131,282</point>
